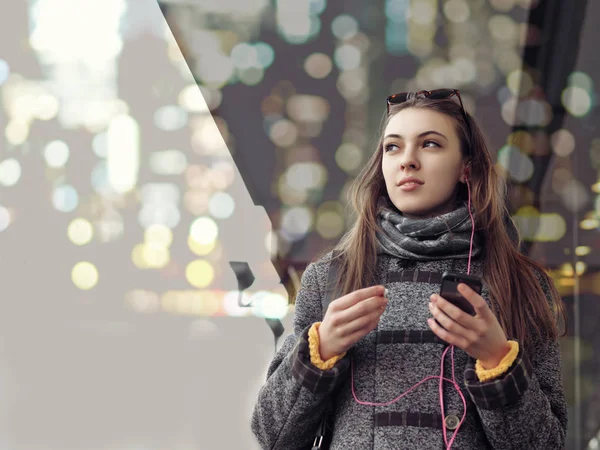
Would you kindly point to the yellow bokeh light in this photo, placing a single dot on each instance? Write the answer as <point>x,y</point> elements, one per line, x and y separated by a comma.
<point>349,157</point>
<point>566,270</point>
<point>589,224</point>
<point>158,234</point>
<point>168,301</point>
<point>457,11</point>
<point>580,267</point>
<point>84,275</point>
<point>583,250</point>
<point>330,224</point>
<point>16,132</point>
<point>47,107</point>
<point>199,273</point>
<point>211,303</point>
<point>137,256</point>
<point>155,256</point>
<point>577,101</point>
<point>201,249</point>
<point>80,231</point>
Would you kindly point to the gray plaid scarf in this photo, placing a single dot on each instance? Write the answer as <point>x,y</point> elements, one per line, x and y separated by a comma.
<point>447,236</point>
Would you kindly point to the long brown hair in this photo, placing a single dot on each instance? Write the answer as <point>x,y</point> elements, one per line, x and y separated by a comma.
<point>514,280</point>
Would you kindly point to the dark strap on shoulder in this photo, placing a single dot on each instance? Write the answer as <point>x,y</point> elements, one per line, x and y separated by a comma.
<point>323,434</point>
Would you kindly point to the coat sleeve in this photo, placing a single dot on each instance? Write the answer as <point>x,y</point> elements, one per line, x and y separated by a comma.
<point>293,399</point>
<point>525,407</point>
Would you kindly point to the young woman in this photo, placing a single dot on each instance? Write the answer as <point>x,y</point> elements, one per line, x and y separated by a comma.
<point>408,369</point>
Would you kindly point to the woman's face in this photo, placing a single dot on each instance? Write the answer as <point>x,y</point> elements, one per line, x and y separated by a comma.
<point>422,144</point>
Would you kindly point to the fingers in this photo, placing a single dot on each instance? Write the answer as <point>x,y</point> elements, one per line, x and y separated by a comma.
<point>361,322</point>
<point>452,311</point>
<point>446,321</point>
<point>361,332</point>
<point>446,335</point>
<point>362,309</point>
<point>357,296</point>
<point>474,298</point>
<point>352,316</point>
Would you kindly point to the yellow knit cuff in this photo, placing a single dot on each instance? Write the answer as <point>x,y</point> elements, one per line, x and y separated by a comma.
<point>500,369</point>
<point>315,356</point>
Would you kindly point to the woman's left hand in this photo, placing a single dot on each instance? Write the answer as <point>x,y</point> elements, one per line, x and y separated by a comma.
<point>480,336</point>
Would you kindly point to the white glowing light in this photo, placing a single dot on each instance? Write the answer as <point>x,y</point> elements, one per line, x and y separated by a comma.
<point>123,154</point>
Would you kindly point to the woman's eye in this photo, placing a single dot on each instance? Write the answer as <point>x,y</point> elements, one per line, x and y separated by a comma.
<point>427,144</point>
<point>389,147</point>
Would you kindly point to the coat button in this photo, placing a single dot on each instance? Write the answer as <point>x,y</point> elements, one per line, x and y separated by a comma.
<point>451,421</point>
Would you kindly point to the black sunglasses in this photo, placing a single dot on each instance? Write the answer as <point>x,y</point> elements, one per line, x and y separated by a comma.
<point>436,94</point>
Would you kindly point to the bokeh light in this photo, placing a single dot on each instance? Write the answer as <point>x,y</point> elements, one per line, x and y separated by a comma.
<point>574,196</point>
<point>457,11</point>
<point>221,205</point>
<point>577,101</point>
<point>347,57</point>
<point>539,227</point>
<point>80,231</point>
<point>4,218</point>
<point>199,273</point>
<point>301,176</point>
<point>84,275</point>
<point>123,153</point>
<point>563,142</point>
<point>4,71</point>
<point>170,117</point>
<point>318,65</point>
<point>296,222</point>
<point>349,157</point>
<point>344,26</point>
<point>518,165</point>
<point>168,162</point>
<point>201,249</point>
<point>65,198</point>
<point>158,234</point>
<point>269,305</point>
<point>204,230</point>
<point>10,172</point>
<point>56,153</point>
<point>155,255</point>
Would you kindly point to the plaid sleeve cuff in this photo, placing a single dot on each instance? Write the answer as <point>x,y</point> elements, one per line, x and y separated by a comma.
<point>503,391</point>
<point>308,375</point>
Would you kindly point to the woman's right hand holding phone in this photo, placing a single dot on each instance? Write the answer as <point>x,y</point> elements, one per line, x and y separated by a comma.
<point>349,318</point>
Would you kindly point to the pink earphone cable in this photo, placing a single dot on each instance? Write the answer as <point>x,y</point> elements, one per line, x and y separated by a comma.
<point>472,227</point>
<point>441,376</point>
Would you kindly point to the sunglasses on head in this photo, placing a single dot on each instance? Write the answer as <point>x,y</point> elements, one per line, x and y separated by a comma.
<point>436,94</point>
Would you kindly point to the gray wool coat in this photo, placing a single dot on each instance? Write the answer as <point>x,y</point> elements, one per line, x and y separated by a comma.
<point>523,409</point>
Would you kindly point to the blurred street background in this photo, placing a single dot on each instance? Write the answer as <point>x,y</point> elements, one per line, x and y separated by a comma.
<point>145,146</point>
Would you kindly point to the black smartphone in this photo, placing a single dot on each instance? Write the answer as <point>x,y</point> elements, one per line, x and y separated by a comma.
<point>449,289</point>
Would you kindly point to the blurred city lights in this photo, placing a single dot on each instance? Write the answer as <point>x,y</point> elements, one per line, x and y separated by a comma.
<point>84,275</point>
<point>80,231</point>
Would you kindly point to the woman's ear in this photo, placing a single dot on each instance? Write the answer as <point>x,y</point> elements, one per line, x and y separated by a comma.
<point>466,172</point>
